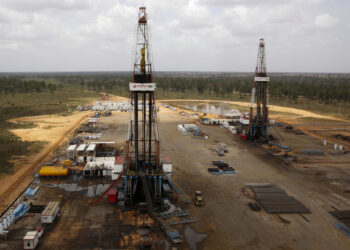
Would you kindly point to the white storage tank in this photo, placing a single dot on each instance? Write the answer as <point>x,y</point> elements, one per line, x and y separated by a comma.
<point>30,240</point>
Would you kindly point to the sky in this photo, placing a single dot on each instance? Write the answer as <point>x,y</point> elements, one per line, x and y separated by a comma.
<point>194,35</point>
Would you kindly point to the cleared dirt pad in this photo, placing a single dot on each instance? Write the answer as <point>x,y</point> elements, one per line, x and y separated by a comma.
<point>225,221</point>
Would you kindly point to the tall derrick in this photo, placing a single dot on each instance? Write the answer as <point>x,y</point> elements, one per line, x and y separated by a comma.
<point>142,144</point>
<point>258,122</point>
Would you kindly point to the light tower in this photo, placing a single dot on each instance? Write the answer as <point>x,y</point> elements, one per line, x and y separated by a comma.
<point>258,122</point>
<point>142,171</point>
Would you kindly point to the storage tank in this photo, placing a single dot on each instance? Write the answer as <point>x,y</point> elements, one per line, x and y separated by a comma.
<point>53,171</point>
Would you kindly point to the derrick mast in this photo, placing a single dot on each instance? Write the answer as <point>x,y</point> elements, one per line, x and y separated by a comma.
<point>142,172</point>
<point>258,121</point>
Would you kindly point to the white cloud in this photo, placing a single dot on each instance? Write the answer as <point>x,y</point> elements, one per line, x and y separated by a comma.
<point>246,2</point>
<point>186,35</point>
<point>325,21</point>
<point>37,5</point>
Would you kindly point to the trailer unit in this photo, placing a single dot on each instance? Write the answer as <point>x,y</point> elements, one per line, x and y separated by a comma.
<point>50,212</point>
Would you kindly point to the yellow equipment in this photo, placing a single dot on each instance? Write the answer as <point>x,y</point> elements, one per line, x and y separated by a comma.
<point>143,60</point>
<point>198,198</point>
<point>67,163</point>
<point>53,171</point>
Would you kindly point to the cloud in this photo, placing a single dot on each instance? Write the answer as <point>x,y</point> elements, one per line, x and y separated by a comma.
<point>38,5</point>
<point>185,34</point>
<point>240,2</point>
<point>325,21</point>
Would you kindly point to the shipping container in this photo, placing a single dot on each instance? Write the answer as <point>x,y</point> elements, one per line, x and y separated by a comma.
<point>30,240</point>
<point>50,212</point>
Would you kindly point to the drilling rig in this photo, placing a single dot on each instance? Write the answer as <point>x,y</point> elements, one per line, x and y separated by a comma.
<point>142,169</point>
<point>258,122</point>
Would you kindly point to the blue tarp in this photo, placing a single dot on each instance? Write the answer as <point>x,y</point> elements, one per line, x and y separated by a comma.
<point>20,210</point>
<point>31,192</point>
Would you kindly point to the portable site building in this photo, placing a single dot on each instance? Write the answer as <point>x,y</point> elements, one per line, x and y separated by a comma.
<point>181,129</point>
<point>95,169</point>
<point>104,166</point>
<point>50,212</point>
<point>81,154</point>
<point>71,153</point>
<point>91,152</point>
<point>166,164</point>
<point>30,240</point>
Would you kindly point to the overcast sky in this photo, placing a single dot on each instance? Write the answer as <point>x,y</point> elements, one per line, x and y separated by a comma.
<point>195,35</point>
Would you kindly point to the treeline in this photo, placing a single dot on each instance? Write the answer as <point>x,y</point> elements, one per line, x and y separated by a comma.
<point>329,88</point>
<point>322,87</point>
<point>18,85</point>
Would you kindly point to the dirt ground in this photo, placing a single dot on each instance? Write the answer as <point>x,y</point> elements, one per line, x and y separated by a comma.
<point>226,217</point>
<point>52,129</point>
<point>226,220</point>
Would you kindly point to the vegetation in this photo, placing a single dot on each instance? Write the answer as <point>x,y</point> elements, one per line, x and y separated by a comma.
<point>27,94</point>
<point>27,97</point>
<point>321,93</point>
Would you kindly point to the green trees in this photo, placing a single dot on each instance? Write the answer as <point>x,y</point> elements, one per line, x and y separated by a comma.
<point>282,86</point>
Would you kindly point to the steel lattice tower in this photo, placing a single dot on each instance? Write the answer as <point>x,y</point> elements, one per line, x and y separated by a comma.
<point>258,123</point>
<point>142,145</point>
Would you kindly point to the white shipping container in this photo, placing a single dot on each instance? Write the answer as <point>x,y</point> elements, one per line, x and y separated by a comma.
<point>30,240</point>
<point>50,212</point>
<point>167,167</point>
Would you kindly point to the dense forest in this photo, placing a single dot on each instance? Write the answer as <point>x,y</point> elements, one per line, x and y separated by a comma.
<point>327,88</point>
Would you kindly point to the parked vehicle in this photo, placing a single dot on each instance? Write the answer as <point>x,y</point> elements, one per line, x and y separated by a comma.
<point>198,199</point>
